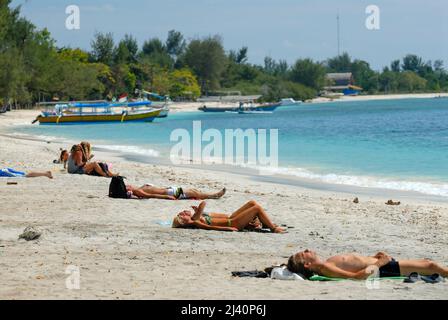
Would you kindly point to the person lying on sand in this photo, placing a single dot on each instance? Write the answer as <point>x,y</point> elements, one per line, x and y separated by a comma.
<point>11,173</point>
<point>352,266</point>
<point>78,163</point>
<point>237,221</point>
<point>148,191</point>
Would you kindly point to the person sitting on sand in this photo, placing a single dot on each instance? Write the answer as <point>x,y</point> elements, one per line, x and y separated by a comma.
<point>352,266</point>
<point>148,191</point>
<point>78,163</point>
<point>237,221</point>
<point>63,158</point>
<point>87,151</point>
<point>11,173</point>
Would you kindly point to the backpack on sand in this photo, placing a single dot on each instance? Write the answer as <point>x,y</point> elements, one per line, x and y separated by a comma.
<point>117,188</point>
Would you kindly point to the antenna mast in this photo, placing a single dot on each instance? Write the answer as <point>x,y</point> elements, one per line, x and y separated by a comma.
<point>339,35</point>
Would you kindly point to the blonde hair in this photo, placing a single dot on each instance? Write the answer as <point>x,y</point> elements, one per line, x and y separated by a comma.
<point>177,222</point>
<point>86,150</point>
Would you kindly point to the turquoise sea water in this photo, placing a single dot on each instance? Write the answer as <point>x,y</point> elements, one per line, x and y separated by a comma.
<point>396,144</point>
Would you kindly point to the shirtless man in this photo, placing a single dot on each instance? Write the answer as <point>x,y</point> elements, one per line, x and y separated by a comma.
<point>171,193</point>
<point>352,266</point>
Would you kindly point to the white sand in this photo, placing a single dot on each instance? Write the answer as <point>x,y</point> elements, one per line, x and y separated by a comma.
<point>381,97</point>
<point>123,253</point>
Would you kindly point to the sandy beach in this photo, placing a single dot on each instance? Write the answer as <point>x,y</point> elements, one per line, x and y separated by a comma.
<point>125,249</point>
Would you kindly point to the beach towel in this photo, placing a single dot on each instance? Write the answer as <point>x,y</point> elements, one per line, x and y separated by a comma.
<point>11,173</point>
<point>322,278</point>
<point>282,273</point>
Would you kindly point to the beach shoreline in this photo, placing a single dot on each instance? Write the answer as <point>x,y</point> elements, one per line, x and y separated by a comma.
<point>403,188</point>
<point>125,249</point>
<point>180,107</point>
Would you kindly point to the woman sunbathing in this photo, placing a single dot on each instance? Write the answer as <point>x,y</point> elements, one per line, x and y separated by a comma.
<point>352,266</point>
<point>78,162</point>
<point>237,221</point>
<point>148,191</point>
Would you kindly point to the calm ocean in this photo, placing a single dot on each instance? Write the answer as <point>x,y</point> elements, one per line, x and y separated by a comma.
<point>395,144</point>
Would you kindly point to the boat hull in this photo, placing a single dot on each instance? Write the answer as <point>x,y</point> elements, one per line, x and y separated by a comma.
<point>270,107</point>
<point>95,118</point>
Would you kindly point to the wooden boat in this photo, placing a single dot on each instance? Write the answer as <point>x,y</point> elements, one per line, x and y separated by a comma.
<point>98,112</point>
<point>242,107</point>
<point>162,102</point>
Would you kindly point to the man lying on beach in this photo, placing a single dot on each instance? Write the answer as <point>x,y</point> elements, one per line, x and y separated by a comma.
<point>237,221</point>
<point>11,173</point>
<point>148,191</point>
<point>352,266</point>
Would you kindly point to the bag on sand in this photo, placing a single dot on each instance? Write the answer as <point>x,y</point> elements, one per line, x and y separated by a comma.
<point>117,188</point>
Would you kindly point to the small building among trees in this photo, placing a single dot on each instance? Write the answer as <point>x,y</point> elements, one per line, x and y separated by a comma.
<point>341,83</point>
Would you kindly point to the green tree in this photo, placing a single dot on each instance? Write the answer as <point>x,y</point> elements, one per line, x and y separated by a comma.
<point>103,48</point>
<point>341,63</point>
<point>184,84</point>
<point>126,50</point>
<point>175,44</point>
<point>395,66</point>
<point>388,81</point>
<point>364,76</point>
<point>410,82</point>
<point>275,68</point>
<point>208,60</point>
<point>309,73</point>
<point>13,76</point>
<point>73,55</point>
<point>240,56</point>
<point>155,51</point>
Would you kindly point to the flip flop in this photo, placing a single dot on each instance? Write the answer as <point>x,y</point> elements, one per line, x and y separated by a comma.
<point>413,278</point>
<point>435,278</point>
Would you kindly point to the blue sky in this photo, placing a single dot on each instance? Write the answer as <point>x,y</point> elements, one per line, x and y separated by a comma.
<point>282,29</point>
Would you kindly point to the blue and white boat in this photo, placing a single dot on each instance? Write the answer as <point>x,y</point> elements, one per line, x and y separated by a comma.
<point>97,111</point>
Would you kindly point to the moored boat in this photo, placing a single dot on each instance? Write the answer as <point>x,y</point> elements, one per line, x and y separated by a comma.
<point>98,111</point>
<point>289,102</point>
<point>162,102</point>
<point>242,107</point>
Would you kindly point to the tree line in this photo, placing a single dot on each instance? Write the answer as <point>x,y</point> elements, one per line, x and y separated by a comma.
<point>33,68</point>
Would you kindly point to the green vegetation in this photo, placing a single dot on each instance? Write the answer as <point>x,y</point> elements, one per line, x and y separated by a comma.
<point>33,68</point>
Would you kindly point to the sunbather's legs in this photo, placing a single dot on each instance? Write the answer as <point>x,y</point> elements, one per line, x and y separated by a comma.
<point>248,205</point>
<point>196,194</point>
<point>47,174</point>
<point>93,166</point>
<point>248,215</point>
<point>423,267</point>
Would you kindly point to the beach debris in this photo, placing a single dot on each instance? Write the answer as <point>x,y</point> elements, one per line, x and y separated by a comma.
<point>356,200</point>
<point>30,233</point>
<point>393,203</point>
<point>9,183</point>
<point>315,234</point>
